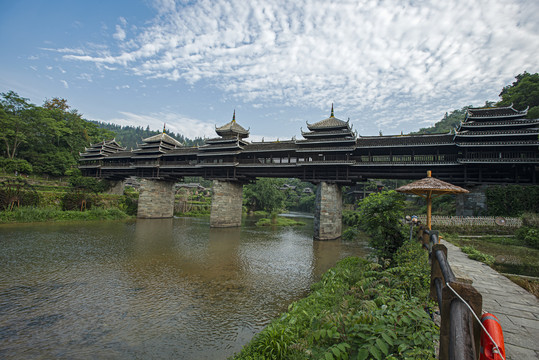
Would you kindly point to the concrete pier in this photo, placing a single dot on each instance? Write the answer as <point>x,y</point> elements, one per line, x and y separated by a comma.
<point>328,212</point>
<point>226,204</point>
<point>156,199</point>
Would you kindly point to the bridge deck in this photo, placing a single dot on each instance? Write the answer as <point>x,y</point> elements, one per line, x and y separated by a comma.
<point>517,309</point>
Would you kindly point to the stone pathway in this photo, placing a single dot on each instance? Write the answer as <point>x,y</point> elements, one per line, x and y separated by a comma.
<point>517,309</point>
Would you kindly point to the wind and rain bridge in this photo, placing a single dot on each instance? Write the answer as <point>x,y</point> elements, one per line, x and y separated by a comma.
<point>491,146</point>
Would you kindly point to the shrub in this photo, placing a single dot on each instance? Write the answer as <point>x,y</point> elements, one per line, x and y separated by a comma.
<point>475,254</point>
<point>380,216</point>
<point>357,310</point>
<point>350,234</point>
<point>529,235</point>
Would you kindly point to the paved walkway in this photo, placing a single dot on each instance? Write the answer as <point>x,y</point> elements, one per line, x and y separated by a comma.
<point>517,309</point>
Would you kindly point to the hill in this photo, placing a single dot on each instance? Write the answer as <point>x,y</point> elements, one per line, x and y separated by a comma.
<point>130,136</point>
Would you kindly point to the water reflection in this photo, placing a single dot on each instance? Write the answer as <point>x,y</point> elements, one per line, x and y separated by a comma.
<point>150,288</point>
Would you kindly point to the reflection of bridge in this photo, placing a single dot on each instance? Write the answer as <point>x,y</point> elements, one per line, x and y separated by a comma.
<point>494,145</point>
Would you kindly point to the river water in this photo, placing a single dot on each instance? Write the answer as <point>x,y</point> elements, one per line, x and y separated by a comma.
<point>150,289</point>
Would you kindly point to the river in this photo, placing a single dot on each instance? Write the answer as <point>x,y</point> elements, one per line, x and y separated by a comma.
<point>151,289</point>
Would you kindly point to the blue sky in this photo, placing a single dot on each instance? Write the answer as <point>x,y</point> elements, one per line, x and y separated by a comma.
<point>387,65</point>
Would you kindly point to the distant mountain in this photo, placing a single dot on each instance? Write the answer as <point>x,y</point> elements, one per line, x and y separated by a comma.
<point>130,136</point>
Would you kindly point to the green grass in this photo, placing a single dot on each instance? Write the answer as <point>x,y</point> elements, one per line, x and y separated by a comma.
<point>32,214</point>
<point>510,255</point>
<point>278,221</point>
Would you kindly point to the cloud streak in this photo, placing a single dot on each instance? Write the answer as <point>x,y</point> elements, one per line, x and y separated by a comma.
<point>379,59</point>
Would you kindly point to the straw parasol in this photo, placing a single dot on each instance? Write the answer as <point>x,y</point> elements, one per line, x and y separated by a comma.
<point>429,188</point>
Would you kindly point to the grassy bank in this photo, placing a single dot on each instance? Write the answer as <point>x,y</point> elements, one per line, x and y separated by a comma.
<point>507,255</point>
<point>358,310</point>
<point>278,221</point>
<point>32,214</point>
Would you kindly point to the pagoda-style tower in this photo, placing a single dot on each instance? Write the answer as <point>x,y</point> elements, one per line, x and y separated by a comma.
<point>332,136</point>
<point>505,131</point>
<point>156,199</point>
<point>329,142</point>
<point>225,148</point>
<point>91,159</point>
<point>226,205</point>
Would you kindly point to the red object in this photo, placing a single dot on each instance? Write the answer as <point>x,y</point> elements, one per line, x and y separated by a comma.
<point>488,350</point>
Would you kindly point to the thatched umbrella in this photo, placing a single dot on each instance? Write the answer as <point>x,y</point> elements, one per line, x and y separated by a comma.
<point>429,188</point>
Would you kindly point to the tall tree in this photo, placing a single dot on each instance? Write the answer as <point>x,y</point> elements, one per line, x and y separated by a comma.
<point>15,121</point>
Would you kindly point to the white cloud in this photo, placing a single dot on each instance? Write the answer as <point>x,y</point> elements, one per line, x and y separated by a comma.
<point>66,85</point>
<point>396,63</point>
<point>188,127</point>
<point>119,34</point>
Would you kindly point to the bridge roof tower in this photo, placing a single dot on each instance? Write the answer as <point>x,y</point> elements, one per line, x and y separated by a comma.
<point>232,129</point>
<point>500,126</point>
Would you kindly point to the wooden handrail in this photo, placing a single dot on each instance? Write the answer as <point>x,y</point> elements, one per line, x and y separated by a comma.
<point>459,332</point>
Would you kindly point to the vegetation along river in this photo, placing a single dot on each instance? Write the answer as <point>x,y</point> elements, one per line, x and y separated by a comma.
<point>170,288</point>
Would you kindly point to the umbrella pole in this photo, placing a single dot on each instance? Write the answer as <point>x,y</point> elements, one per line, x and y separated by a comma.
<point>429,210</point>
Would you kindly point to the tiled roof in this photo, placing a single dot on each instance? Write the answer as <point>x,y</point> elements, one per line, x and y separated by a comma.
<point>162,137</point>
<point>330,123</point>
<point>496,112</point>
<point>404,140</point>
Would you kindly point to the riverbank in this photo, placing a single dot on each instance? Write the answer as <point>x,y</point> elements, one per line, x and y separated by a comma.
<point>32,214</point>
<point>358,310</point>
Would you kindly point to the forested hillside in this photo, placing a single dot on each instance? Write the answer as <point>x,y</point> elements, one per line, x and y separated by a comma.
<point>43,139</point>
<point>130,136</point>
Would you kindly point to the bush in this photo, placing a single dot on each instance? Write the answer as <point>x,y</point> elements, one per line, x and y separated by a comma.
<point>475,254</point>
<point>529,235</point>
<point>350,234</point>
<point>357,310</point>
<point>381,217</point>
<point>512,200</point>
<point>12,166</point>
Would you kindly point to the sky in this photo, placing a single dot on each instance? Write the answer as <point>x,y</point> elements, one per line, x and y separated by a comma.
<point>391,66</point>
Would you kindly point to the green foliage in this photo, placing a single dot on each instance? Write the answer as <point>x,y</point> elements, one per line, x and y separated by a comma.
<point>31,214</point>
<point>17,192</point>
<point>19,166</point>
<point>381,217</point>
<point>88,184</point>
<point>264,194</point>
<point>129,202</point>
<point>356,311</point>
<point>78,200</point>
<point>351,218</point>
<point>49,138</point>
<point>522,93</point>
<point>512,200</point>
<point>529,235</point>
<point>278,221</point>
<point>350,234</point>
<point>475,254</point>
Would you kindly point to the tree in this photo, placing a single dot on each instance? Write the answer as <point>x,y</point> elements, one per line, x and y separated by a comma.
<point>522,93</point>
<point>265,195</point>
<point>14,122</point>
<point>381,217</point>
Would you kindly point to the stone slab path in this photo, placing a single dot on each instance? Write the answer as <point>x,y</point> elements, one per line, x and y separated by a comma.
<point>517,309</point>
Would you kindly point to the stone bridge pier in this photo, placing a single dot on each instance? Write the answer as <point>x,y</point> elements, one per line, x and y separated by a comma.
<point>156,199</point>
<point>226,204</point>
<point>328,212</point>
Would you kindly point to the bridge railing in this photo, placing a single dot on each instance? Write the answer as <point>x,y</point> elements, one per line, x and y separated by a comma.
<point>459,331</point>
